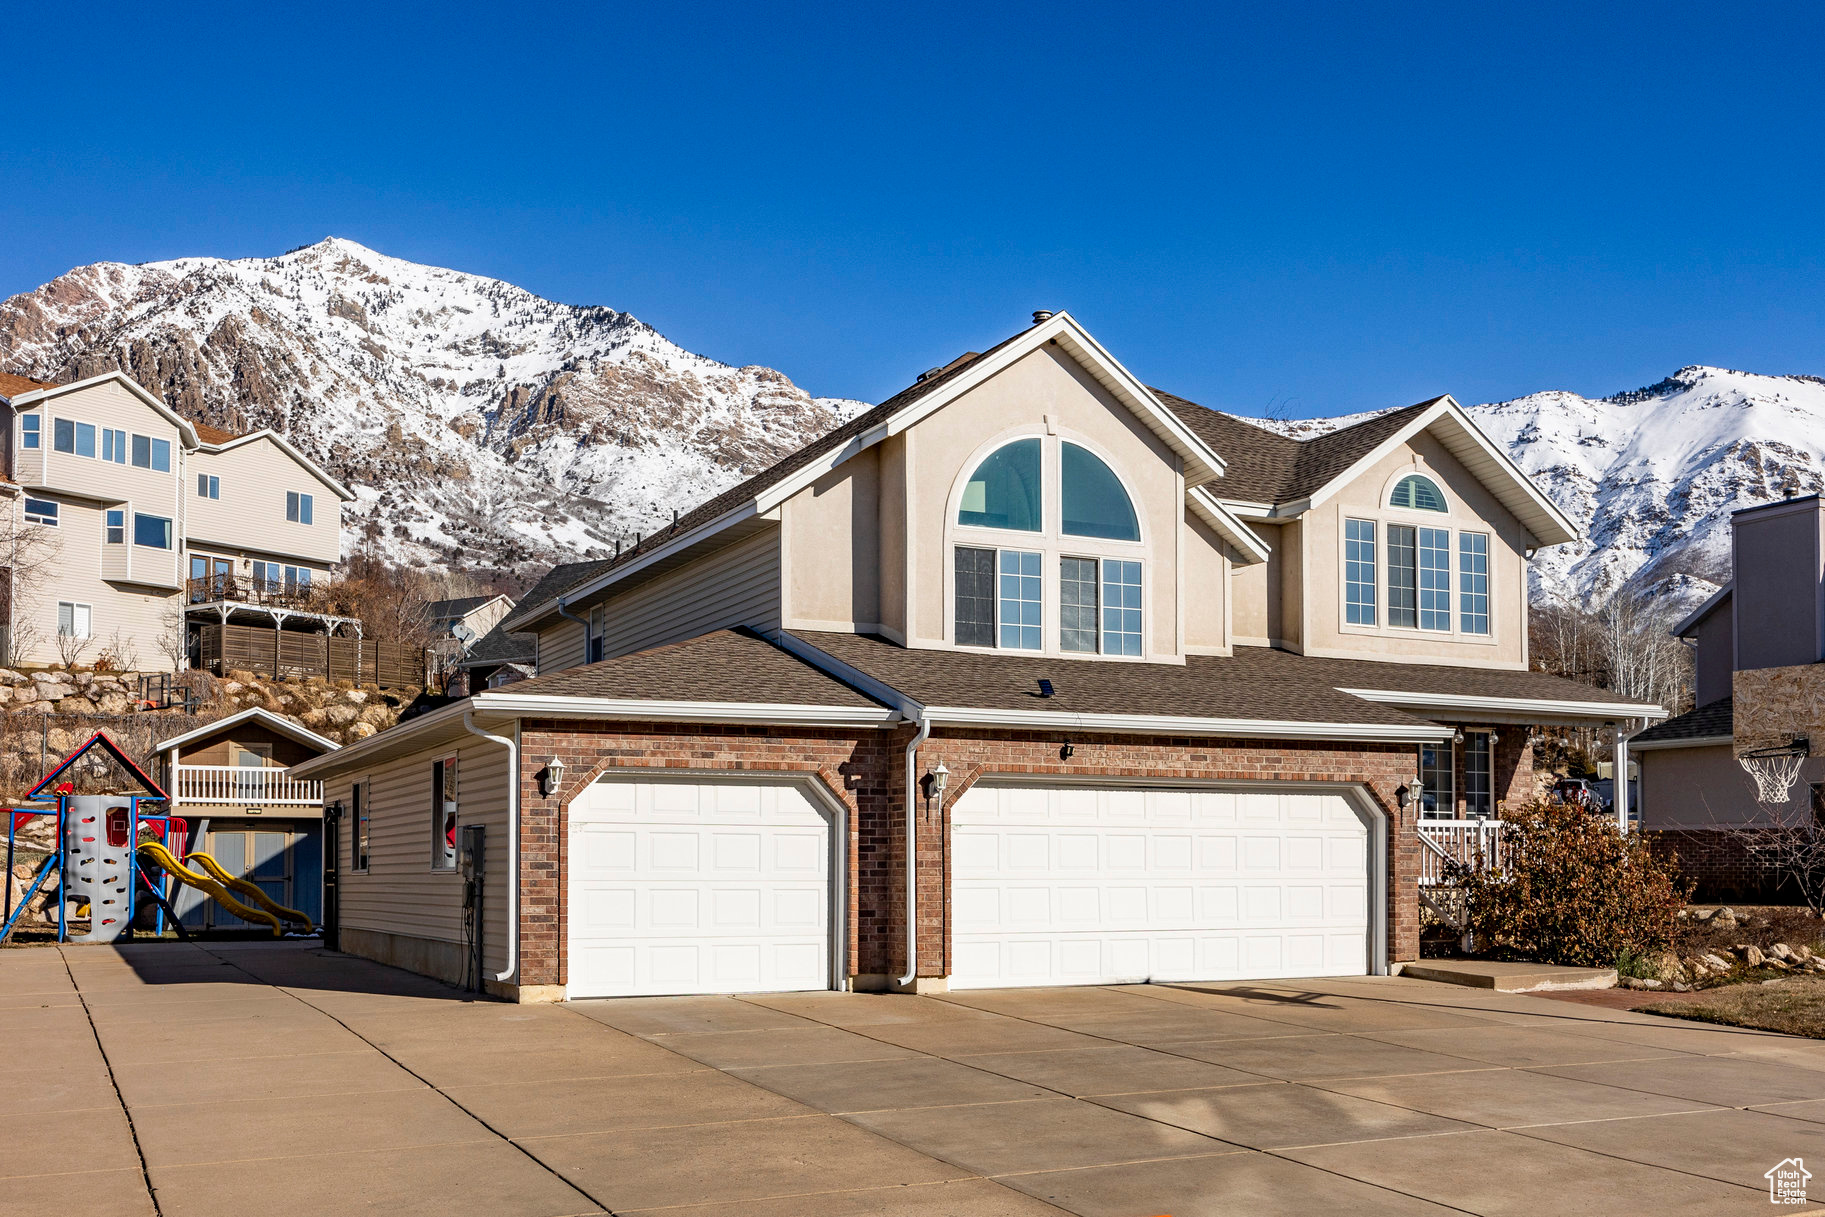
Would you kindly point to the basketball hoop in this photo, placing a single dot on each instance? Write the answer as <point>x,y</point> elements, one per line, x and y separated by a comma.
<point>1775,770</point>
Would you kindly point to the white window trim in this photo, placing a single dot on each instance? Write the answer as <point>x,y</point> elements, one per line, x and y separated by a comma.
<point>1453,524</point>
<point>366,785</point>
<point>74,605</point>
<point>1052,543</point>
<point>55,522</point>
<point>455,867</point>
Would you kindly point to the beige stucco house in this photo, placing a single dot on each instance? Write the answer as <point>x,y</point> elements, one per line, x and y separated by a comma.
<point>1032,674</point>
<point>122,516</point>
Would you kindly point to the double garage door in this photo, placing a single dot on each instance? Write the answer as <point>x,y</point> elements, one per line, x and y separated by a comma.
<point>730,887</point>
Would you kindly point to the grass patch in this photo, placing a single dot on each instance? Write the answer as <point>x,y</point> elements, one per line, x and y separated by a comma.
<point>1795,1006</point>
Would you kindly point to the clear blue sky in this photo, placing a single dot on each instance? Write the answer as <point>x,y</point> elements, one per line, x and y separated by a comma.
<point>1334,207</point>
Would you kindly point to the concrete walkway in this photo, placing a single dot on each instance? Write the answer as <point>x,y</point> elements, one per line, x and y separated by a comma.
<point>239,1080</point>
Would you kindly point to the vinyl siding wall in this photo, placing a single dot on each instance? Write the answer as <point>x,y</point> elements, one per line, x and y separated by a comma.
<point>67,565</point>
<point>400,893</point>
<point>738,585</point>
<point>255,477</point>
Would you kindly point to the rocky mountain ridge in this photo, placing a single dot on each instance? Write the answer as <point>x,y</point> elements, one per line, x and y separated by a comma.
<point>485,427</point>
<point>479,424</point>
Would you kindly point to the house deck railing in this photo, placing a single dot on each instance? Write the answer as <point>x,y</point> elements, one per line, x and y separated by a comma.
<point>1447,844</point>
<point>245,784</point>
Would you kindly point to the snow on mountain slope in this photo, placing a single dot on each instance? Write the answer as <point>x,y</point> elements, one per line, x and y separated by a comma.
<point>484,426</point>
<point>1652,475</point>
<point>480,425</point>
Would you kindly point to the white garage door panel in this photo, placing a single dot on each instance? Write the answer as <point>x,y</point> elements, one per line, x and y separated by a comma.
<point>1081,885</point>
<point>679,887</point>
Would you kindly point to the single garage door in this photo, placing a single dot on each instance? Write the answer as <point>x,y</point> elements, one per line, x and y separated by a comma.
<point>1063,885</point>
<point>698,887</point>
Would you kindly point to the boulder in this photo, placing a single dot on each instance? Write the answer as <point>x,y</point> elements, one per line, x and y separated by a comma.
<point>1724,917</point>
<point>114,703</point>
<point>1781,951</point>
<point>1716,962</point>
<point>8,676</point>
<point>362,731</point>
<point>341,716</point>
<point>1749,953</point>
<point>314,718</point>
<point>75,703</point>
<point>50,690</point>
<point>357,696</point>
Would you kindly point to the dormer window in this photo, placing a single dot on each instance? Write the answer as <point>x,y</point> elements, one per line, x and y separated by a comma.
<point>1417,492</point>
<point>1067,576</point>
<point>1004,492</point>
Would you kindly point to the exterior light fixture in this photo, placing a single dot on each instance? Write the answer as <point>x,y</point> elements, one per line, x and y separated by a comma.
<point>936,779</point>
<point>1065,752</point>
<point>334,811</point>
<point>1457,737</point>
<point>551,777</point>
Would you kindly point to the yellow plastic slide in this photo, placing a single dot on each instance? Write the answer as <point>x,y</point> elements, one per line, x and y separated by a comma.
<point>157,854</point>
<point>221,876</point>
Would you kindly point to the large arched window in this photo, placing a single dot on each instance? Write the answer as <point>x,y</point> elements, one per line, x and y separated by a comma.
<point>1004,491</point>
<point>1417,492</point>
<point>1093,501</point>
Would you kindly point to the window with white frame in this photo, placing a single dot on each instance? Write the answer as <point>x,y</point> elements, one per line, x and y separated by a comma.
<point>74,620</point>
<point>1121,607</point>
<point>41,511</point>
<point>1403,577</point>
<point>152,532</point>
<point>114,526</point>
<point>593,644</point>
<point>1022,605</point>
<point>1473,582</point>
<point>1079,602</point>
<point>31,434</point>
<point>1359,571</point>
<point>1478,774</point>
<point>1418,493</point>
<point>1001,592</point>
<point>1438,798</point>
<point>359,813</point>
<point>1434,579</point>
<point>208,486</point>
<point>443,813</point>
<point>114,446</point>
<point>77,439</point>
<point>150,453</point>
<point>297,507</point>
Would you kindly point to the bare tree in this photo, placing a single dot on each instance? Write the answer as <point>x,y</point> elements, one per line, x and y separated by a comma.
<point>30,550</point>
<point>174,637</point>
<point>120,654</point>
<point>1790,843</point>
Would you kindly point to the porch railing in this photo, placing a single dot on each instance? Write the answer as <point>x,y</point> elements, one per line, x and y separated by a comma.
<point>245,784</point>
<point>1470,844</point>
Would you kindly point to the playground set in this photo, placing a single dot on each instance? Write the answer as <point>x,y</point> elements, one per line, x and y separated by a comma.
<point>118,860</point>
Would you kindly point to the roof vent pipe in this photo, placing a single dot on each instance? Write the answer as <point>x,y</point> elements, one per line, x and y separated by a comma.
<point>1044,314</point>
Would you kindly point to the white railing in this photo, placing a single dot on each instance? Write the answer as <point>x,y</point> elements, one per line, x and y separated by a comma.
<point>244,784</point>
<point>1473,844</point>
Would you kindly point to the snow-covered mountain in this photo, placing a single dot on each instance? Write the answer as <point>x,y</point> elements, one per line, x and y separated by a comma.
<point>485,427</point>
<point>1652,475</point>
<point>481,425</point>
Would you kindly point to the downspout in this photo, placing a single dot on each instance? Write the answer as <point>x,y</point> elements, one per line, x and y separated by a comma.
<point>513,839</point>
<point>564,612</point>
<point>912,853</point>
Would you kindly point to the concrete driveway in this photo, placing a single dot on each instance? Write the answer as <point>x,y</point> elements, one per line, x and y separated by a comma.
<point>244,1079</point>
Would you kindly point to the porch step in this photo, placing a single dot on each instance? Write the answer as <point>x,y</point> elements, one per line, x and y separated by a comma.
<point>1508,977</point>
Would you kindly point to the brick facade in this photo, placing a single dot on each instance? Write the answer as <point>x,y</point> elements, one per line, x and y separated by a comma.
<point>865,770</point>
<point>1723,869</point>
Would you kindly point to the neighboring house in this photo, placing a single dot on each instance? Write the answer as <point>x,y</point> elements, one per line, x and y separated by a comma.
<point>139,520</point>
<point>231,781</point>
<point>500,658</point>
<point>468,619</point>
<point>1030,675</point>
<point>1757,651</point>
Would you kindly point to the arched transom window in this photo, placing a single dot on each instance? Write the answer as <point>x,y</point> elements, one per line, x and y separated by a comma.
<point>1047,553</point>
<point>1418,492</point>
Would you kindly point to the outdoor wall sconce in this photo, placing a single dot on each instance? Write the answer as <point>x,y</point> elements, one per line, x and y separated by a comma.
<point>551,777</point>
<point>334,811</point>
<point>1066,752</point>
<point>1406,796</point>
<point>936,779</point>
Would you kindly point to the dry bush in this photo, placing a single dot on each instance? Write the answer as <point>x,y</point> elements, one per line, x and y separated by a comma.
<point>1573,890</point>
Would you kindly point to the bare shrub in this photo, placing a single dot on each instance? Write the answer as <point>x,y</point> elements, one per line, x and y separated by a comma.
<point>71,647</point>
<point>1573,890</point>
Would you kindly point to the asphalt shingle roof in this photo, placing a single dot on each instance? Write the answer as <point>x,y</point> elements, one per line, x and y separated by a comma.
<point>1717,718</point>
<point>725,666</point>
<point>458,607</point>
<point>1254,683</point>
<point>497,646</point>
